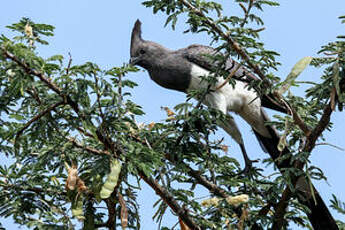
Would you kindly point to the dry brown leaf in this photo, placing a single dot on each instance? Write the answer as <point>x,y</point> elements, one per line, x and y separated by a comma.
<point>169,112</point>
<point>183,225</point>
<point>81,185</point>
<point>224,148</point>
<point>124,211</point>
<point>72,177</point>
<point>151,125</point>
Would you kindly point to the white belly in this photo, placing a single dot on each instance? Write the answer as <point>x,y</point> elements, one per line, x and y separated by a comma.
<point>238,98</point>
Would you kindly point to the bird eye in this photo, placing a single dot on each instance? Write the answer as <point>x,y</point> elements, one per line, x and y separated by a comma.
<point>142,51</point>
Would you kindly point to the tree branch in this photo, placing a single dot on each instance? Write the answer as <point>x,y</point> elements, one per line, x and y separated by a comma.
<point>37,117</point>
<point>69,63</point>
<point>169,199</point>
<point>43,78</point>
<point>320,127</point>
<point>242,53</point>
<point>297,119</point>
<point>281,207</point>
<point>227,38</point>
<point>163,193</point>
<point>87,148</point>
<point>37,190</point>
<point>111,224</point>
<point>246,12</point>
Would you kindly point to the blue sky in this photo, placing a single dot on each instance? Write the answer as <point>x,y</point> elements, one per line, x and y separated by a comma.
<point>99,31</point>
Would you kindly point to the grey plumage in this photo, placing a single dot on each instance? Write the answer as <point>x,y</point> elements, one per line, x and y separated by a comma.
<point>166,68</point>
<point>199,54</point>
<point>181,70</point>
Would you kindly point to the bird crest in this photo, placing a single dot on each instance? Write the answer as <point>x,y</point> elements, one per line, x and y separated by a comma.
<point>136,37</point>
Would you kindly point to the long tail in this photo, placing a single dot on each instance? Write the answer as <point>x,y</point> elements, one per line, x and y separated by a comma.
<point>319,215</point>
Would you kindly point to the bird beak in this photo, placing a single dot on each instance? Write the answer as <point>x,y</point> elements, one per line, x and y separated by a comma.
<point>134,60</point>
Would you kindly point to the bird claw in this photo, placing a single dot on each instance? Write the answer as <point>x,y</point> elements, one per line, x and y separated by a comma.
<point>248,169</point>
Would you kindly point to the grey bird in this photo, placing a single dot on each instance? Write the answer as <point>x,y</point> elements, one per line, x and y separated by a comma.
<point>183,69</point>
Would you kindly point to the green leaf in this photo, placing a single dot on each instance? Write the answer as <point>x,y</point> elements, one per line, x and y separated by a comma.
<point>17,117</point>
<point>58,58</point>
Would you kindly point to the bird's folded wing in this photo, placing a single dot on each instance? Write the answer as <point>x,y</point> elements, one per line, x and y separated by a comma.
<point>206,57</point>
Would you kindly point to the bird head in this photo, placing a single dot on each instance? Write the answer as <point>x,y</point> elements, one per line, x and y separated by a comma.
<point>144,53</point>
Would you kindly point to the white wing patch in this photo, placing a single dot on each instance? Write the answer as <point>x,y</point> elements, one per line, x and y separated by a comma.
<point>238,99</point>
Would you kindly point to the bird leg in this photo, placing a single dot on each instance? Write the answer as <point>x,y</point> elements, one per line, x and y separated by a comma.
<point>248,163</point>
<point>229,125</point>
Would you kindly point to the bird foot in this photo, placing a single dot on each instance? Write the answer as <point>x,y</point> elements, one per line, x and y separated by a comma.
<point>248,169</point>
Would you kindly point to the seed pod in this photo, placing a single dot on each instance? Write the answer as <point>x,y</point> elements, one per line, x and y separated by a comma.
<point>28,30</point>
<point>237,200</point>
<point>210,202</point>
<point>77,208</point>
<point>113,176</point>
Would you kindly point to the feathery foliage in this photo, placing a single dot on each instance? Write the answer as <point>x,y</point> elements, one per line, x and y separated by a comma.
<point>65,125</point>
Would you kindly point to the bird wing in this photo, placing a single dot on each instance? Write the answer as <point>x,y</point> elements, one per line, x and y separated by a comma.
<point>202,56</point>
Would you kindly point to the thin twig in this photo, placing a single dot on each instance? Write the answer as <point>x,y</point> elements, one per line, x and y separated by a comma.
<point>37,190</point>
<point>37,117</point>
<point>87,148</point>
<point>232,73</point>
<point>246,12</point>
<point>119,88</point>
<point>69,63</point>
<point>329,144</point>
<point>33,93</point>
<point>84,132</point>
<point>101,225</point>
<point>320,127</point>
<point>297,119</point>
<point>229,39</point>
<point>43,78</point>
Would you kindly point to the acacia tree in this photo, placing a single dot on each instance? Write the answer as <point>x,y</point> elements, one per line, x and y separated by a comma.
<point>78,152</point>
